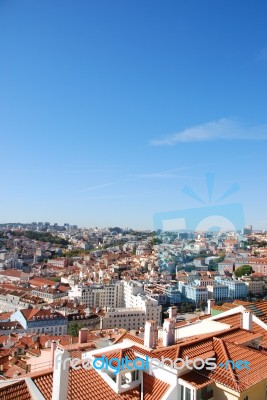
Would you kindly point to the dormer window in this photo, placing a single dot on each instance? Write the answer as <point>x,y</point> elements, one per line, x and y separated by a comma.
<point>129,376</point>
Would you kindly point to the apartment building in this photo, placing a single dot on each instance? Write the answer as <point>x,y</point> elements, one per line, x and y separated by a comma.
<point>164,294</point>
<point>131,290</point>
<point>121,296</point>
<point>50,294</point>
<point>98,295</point>
<point>226,265</point>
<point>13,275</point>
<point>254,286</point>
<point>204,281</point>
<point>217,292</point>
<point>236,289</point>
<point>173,294</point>
<point>129,319</point>
<point>12,300</point>
<point>41,321</point>
<point>193,293</point>
<point>156,294</point>
<point>59,262</point>
<point>258,264</point>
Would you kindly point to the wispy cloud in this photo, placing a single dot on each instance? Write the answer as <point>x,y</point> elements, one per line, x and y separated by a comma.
<point>97,187</point>
<point>223,129</point>
<point>160,175</point>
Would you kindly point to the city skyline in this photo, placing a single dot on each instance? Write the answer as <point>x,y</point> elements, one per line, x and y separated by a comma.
<point>109,110</point>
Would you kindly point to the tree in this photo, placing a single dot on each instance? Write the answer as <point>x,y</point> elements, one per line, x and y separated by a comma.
<point>243,270</point>
<point>55,279</point>
<point>155,241</point>
<point>186,307</point>
<point>74,328</point>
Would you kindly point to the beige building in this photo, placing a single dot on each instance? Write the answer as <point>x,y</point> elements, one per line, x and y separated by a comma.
<point>125,318</point>
<point>254,286</point>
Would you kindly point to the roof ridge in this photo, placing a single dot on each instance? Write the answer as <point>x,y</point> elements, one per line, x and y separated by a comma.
<point>178,352</point>
<point>189,342</point>
<point>226,355</point>
<point>244,347</point>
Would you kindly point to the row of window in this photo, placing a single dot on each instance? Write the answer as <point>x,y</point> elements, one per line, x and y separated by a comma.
<point>55,330</point>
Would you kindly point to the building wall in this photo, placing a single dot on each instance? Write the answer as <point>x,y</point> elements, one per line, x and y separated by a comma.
<point>46,325</point>
<point>124,318</point>
<point>256,392</point>
<point>99,295</point>
<point>119,295</point>
<point>255,287</point>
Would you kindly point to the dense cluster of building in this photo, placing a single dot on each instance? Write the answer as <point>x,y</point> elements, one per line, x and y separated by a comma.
<point>89,289</point>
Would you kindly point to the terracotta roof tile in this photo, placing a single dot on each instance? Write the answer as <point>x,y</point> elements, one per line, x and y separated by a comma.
<point>235,320</point>
<point>119,354</point>
<point>154,388</point>
<point>242,379</point>
<point>15,371</point>
<point>196,380</point>
<point>44,383</point>
<point>128,335</point>
<point>15,391</point>
<point>84,384</point>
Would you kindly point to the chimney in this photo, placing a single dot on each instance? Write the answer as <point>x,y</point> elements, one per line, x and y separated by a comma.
<point>53,348</point>
<point>211,303</point>
<point>168,337</point>
<point>151,334</point>
<point>247,320</point>
<point>172,312</point>
<point>83,333</point>
<point>61,374</point>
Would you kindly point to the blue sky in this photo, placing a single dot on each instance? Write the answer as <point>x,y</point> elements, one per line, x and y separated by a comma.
<point>108,109</point>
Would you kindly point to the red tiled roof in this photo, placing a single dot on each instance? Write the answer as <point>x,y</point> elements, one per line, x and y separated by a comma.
<point>15,371</point>
<point>29,313</point>
<point>223,346</point>
<point>119,354</point>
<point>84,384</point>
<point>196,380</point>
<point>236,379</point>
<point>133,338</point>
<point>44,383</point>
<point>15,391</point>
<point>5,315</point>
<point>41,282</point>
<point>235,320</point>
<point>12,272</point>
<point>154,388</point>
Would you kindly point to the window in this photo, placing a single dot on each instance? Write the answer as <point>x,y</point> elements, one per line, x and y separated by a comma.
<point>182,392</point>
<point>185,393</point>
<point>135,375</point>
<point>205,393</point>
